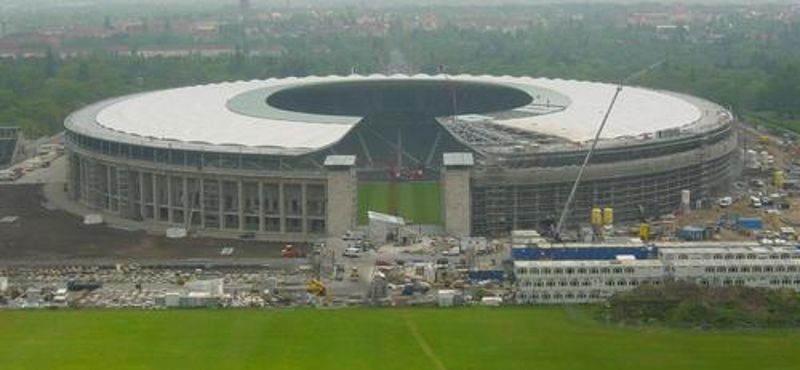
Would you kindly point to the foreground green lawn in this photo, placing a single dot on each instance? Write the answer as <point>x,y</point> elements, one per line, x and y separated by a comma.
<point>508,338</point>
<point>418,201</point>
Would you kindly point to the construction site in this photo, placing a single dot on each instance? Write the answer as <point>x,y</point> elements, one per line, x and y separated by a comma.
<point>537,204</point>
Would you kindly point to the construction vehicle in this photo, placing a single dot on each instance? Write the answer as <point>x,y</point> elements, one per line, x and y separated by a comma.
<point>291,251</point>
<point>317,288</point>
<point>354,275</point>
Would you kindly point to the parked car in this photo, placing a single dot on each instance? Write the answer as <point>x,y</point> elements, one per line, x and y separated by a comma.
<point>352,252</point>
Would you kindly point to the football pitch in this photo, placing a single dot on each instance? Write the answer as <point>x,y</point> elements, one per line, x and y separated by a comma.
<point>417,201</point>
<point>351,339</point>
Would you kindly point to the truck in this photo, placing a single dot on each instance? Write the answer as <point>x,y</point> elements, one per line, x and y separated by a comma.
<point>291,251</point>
<point>79,285</point>
<point>354,274</point>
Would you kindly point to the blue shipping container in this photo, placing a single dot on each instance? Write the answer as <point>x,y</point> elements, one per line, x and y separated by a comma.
<point>581,253</point>
<point>485,275</point>
<point>751,223</point>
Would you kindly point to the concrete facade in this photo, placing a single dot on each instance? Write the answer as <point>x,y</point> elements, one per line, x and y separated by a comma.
<point>273,205</point>
<point>457,199</point>
<point>342,199</point>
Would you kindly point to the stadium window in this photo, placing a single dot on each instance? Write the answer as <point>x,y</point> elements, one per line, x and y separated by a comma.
<point>721,269</point>
<point>609,283</point>
<point>622,283</point>
<point>538,284</point>
<point>594,270</point>
<point>617,270</point>
<point>756,269</point>
<point>586,283</point>
<point>582,270</point>
<point>785,256</point>
<point>605,270</point>
<point>570,270</point>
<point>745,269</point>
<point>558,270</point>
<point>767,268</point>
<point>562,283</point>
<point>574,283</point>
<point>534,271</point>
<point>787,282</point>
<point>751,256</point>
<point>522,271</point>
<point>791,268</point>
<point>728,256</point>
<point>780,268</point>
<point>733,269</point>
<point>551,283</point>
<point>709,270</point>
<point>545,271</point>
<point>629,270</point>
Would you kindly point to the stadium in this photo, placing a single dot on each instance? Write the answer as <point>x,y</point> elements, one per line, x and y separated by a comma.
<point>296,158</point>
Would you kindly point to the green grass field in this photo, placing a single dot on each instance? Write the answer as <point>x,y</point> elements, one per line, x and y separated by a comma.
<point>352,339</point>
<point>418,201</point>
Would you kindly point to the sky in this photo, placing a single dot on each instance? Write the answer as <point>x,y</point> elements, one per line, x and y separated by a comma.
<point>372,2</point>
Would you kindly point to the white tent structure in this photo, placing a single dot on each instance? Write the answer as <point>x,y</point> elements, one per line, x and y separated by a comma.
<point>382,226</point>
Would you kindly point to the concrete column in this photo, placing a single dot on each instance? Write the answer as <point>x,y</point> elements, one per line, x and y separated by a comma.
<point>456,194</point>
<point>170,217</point>
<point>107,193</point>
<point>202,184</point>
<point>154,192</point>
<point>240,190</point>
<point>281,207</point>
<point>261,221</point>
<point>341,193</point>
<point>141,194</point>
<point>186,201</point>
<point>303,209</point>
<point>220,204</point>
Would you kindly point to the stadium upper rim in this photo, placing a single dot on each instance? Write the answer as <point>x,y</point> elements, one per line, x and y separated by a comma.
<point>238,117</point>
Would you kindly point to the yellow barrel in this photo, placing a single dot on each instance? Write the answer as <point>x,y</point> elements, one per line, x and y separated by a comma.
<point>778,178</point>
<point>597,217</point>
<point>644,230</point>
<point>608,216</point>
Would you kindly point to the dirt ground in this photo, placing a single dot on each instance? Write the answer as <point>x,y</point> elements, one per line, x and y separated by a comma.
<point>44,234</point>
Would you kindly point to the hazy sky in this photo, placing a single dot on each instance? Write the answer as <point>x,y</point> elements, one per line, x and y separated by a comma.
<point>374,2</point>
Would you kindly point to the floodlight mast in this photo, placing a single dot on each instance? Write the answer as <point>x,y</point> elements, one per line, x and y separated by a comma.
<point>571,197</point>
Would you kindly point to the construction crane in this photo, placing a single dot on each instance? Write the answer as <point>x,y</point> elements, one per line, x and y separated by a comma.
<point>571,196</point>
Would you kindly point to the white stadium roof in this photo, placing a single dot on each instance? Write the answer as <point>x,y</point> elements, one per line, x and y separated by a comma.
<point>207,114</point>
